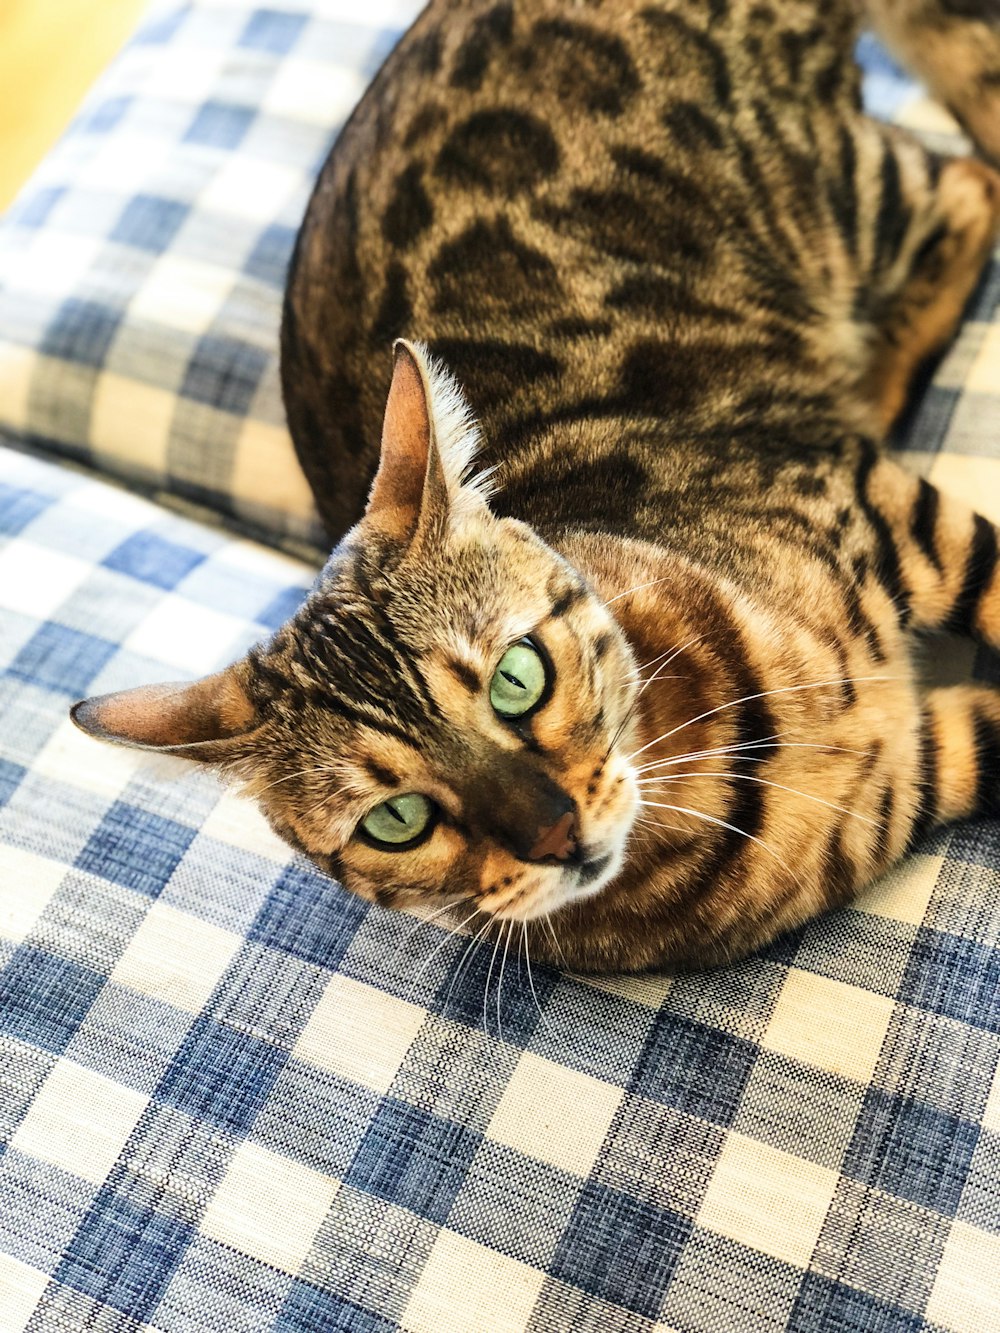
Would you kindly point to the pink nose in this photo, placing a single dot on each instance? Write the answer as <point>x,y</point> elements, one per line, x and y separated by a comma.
<point>558,841</point>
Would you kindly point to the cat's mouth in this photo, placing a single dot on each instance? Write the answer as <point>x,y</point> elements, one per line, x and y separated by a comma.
<point>592,869</point>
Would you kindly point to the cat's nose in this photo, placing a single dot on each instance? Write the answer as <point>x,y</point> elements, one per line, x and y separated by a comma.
<point>559,840</point>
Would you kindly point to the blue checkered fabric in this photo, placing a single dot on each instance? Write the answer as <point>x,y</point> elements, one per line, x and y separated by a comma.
<point>234,1099</point>
<point>142,269</point>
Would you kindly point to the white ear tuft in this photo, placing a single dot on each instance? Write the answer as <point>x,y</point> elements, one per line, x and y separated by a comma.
<point>457,438</point>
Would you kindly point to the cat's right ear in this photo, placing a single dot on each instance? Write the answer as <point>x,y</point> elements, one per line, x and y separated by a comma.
<point>410,485</point>
<point>201,719</point>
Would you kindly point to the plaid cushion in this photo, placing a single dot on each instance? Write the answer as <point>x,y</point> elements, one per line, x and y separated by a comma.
<point>142,269</point>
<point>235,1099</point>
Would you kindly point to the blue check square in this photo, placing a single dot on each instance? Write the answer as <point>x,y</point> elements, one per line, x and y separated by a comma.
<point>10,778</point>
<point>18,507</point>
<point>912,1150</point>
<point>124,1255</point>
<point>153,559</point>
<point>149,223</point>
<point>268,260</point>
<point>413,1159</point>
<point>44,999</point>
<point>225,373</point>
<point>81,331</point>
<point>221,1076</point>
<point>954,976</point>
<point>825,1306</point>
<point>270,30</point>
<point>308,1310</point>
<point>62,659</point>
<point>133,847</point>
<point>697,1069</point>
<point>220,125</point>
<point>309,916</point>
<point>621,1250</point>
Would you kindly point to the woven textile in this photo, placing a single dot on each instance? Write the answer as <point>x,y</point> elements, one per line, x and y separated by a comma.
<point>234,1099</point>
<point>141,271</point>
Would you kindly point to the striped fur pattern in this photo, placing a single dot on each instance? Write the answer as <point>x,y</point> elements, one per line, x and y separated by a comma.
<point>683,284</point>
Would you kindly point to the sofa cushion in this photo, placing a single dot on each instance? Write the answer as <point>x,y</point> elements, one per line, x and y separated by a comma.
<point>234,1097</point>
<point>142,268</point>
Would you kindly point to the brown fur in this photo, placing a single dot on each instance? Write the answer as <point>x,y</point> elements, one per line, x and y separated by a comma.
<point>684,284</point>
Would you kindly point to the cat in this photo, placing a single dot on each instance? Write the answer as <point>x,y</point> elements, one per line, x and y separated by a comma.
<point>615,650</point>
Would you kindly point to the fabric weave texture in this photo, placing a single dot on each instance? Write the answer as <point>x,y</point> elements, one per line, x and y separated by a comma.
<point>233,1098</point>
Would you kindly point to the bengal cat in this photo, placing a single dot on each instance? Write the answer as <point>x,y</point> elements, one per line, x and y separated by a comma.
<point>623,671</point>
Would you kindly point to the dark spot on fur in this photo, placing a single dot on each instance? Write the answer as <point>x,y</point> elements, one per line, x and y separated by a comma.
<point>691,128</point>
<point>489,32</point>
<point>637,162</point>
<point>512,276</point>
<point>492,371</point>
<point>565,599</point>
<point>616,477</point>
<point>410,211</point>
<point>629,226</point>
<point>464,674</point>
<point>394,309</point>
<point>379,773</point>
<point>575,326</point>
<point>428,118</point>
<point>601,645</point>
<point>427,53</point>
<point>504,151</point>
<point>584,67</point>
<point>809,484</point>
<point>661,378</point>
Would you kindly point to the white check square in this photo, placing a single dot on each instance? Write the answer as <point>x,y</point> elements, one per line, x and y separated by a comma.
<point>360,1033</point>
<point>466,1288</point>
<point>269,1207</point>
<point>555,1114</point>
<point>79,1121</point>
<point>176,957</point>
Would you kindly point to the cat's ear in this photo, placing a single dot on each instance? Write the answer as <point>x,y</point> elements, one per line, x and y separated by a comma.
<point>198,719</point>
<point>428,442</point>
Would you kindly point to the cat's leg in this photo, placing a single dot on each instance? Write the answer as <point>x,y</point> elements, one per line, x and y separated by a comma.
<point>942,223</point>
<point>954,47</point>
<point>938,559</point>
<point>959,773</point>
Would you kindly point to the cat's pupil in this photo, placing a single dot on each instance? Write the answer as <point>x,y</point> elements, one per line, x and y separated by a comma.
<point>520,680</point>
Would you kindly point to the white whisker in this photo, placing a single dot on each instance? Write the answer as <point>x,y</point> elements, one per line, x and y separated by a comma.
<point>486,986</point>
<point>437,949</point>
<point>722,823</point>
<point>531,980</point>
<point>466,957</point>
<point>503,960</point>
<point>762,694</point>
<point>749,777</point>
<point>650,583</point>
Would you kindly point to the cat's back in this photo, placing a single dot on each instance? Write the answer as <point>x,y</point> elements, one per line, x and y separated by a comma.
<point>560,198</point>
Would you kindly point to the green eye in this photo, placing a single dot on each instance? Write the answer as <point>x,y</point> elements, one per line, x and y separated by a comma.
<point>399,820</point>
<point>520,680</point>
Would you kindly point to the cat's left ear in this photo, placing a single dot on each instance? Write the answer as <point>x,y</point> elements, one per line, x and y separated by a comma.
<point>428,442</point>
<point>201,719</point>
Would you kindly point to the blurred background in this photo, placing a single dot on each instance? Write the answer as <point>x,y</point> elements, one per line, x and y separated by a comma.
<point>51,51</point>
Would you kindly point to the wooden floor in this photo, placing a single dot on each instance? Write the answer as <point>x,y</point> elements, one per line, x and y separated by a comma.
<point>51,51</point>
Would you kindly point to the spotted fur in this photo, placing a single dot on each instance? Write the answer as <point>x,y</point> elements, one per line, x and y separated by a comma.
<point>683,285</point>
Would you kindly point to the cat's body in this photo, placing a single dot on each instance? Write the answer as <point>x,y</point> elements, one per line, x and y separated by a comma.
<point>684,284</point>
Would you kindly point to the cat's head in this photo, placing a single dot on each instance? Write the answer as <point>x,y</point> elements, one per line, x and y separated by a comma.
<point>445,716</point>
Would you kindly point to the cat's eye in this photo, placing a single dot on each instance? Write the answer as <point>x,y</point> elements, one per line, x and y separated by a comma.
<point>520,682</point>
<point>399,821</point>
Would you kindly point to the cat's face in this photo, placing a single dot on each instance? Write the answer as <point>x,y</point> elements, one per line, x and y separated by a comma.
<point>448,715</point>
